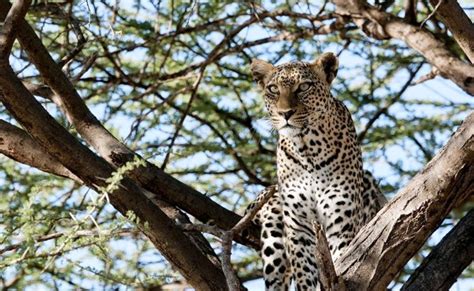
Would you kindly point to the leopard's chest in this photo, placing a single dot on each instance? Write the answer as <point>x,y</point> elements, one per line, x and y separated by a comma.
<point>312,161</point>
<point>317,174</point>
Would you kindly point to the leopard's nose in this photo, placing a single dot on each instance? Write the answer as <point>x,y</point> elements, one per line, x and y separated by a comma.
<point>287,113</point>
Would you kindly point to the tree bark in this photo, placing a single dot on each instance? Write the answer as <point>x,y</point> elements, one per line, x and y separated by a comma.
<point>399,230</point>
<point>451,14</point>
<point>16,144</point>
<point>447,260</point>
<point>383,25</point>
<point>10,22</point>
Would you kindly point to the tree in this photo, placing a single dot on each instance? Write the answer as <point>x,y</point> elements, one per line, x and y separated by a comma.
<point>144,123</point>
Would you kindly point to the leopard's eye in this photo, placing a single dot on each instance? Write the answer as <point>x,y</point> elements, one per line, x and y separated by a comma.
<point>303,87</point>
<point>273,89</point>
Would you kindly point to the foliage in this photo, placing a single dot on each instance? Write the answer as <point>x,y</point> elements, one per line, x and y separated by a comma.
<point>148,66</point>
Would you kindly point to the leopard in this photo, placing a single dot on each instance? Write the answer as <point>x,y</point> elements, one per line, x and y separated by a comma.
<point>320,177</point>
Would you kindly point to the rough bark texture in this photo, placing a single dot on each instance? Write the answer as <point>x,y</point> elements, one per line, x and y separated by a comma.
<point>328,278</point>
<point>447,260</point>
<point>451,13</point>
<point>383,25</point>
<point>16,144</point>
<point>384,246</point>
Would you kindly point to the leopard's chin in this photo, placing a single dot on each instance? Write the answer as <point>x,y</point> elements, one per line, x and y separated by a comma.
<point>289,131</point>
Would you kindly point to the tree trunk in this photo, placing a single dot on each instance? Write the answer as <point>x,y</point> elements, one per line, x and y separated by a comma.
<point>383,247</point>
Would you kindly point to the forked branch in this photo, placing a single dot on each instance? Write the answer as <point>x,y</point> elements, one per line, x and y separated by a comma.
<point>227,236</point>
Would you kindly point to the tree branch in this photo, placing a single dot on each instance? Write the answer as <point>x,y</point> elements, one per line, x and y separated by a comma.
<point>398,231</point>
<point>382,25</point>
<point>452,14</point>
<point>7,32</point>
<point>328,278</point>
<point>181,253</point>
<point>410,11</point>
<point>233,282</point>
<point>447,260</point>
<point>149,176</point>
<point>16,144</point>
<point>384,109</point>
<point>183,117</point>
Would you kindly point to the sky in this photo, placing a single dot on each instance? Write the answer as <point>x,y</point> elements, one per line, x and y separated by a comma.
<point>437,88</point>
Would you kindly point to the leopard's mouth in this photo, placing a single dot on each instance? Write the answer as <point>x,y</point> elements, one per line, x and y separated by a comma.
<point>289,130</point>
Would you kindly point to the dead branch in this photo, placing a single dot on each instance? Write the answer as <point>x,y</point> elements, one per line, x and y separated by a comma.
<point>227,236</point>
<point>232,281</point>
<point>262,199</point>
<point>328,278</point>
<point>431,75</point>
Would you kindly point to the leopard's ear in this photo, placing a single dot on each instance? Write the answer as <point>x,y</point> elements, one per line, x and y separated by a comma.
<point>261,71</point>
<point>327,64</point>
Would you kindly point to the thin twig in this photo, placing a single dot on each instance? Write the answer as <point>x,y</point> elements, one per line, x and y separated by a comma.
<point>263,198</point>
<point>431,75</point>
<point>323,7</point>
<point>384,109</point>
<point>431,14</point>
<point>183,117</point>
<point>81,41</point>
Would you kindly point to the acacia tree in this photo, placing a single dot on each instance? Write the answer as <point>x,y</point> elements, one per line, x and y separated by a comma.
<point>145,125</point>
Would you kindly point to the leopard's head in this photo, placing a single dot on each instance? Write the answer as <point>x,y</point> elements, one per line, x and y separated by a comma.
<point>296,94</point>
